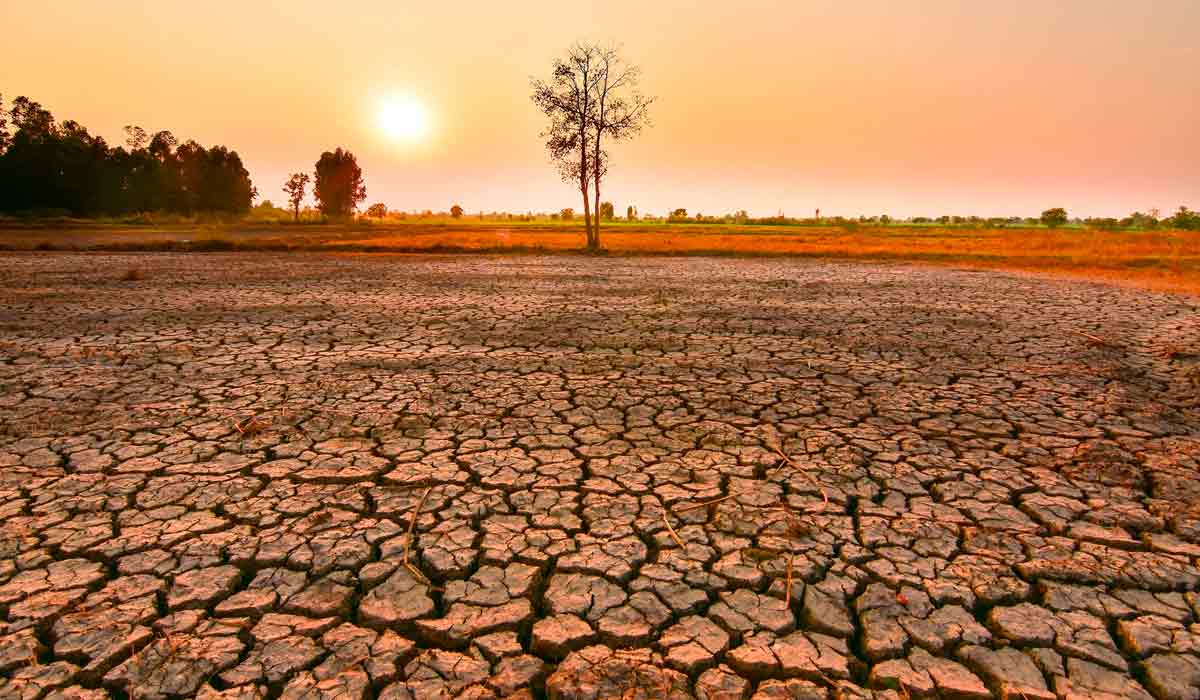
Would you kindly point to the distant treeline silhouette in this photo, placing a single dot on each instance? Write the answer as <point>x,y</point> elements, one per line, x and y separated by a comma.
<point>49,168</point>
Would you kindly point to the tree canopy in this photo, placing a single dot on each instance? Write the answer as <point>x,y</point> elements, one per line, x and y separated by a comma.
<point>1054,217</point>
<point>339,185</point>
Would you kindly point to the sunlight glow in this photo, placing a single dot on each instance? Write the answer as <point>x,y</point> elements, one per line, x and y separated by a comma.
<point>404,118</point>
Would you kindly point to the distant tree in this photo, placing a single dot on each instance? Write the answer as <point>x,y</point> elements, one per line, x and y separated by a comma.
<point>591,96</point>
<point>136,137</point>
<point>679,214</point>
<point>1185,220</point>
<point>31,118</point>
<point>377,210</point>
<point>1054,217</point>
<point>162,143</point>
<point>1103,223</point>
<point>338,183</point>
<point>631,212</point>
<point>567,214</point>
<point>294,187</point>
<point>1141,221</point>
<point>225,184</point>
<point>211,180</point>
<point>606,211</point>
<point>885,220</point>
<point>456,211</point>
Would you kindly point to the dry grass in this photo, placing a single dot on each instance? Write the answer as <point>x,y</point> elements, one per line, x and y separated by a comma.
<point>1161,260</point>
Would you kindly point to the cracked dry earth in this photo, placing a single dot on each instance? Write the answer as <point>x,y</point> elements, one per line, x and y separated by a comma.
<point>661,478</point>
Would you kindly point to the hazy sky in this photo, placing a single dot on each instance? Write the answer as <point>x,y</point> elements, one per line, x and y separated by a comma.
<point>907,107</point>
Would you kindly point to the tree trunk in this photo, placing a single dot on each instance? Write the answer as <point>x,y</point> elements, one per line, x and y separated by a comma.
<point>596,209</point>
<point>587,220</point>
<point>583,188</point>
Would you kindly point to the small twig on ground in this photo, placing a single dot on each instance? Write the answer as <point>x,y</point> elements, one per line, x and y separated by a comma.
<point>787,589</point>
<point>408,538</point>
<point>249,427</point>
<point>1095,340</point>
<point>674,535</point>
<point>701,505</point>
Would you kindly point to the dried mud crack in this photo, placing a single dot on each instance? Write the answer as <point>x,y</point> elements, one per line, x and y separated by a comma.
<point>304,476</point>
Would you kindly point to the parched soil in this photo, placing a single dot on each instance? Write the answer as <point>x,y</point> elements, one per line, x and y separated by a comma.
<point>316,476</point>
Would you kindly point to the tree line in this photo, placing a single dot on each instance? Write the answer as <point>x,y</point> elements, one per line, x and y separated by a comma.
<point>48,167</point>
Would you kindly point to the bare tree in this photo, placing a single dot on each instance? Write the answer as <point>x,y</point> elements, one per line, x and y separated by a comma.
<point>621,112</point>
<point>566,99</point>
<point>591,96</point>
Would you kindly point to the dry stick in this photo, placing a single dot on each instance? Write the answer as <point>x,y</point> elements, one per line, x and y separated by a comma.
<point>787,595</point>
<point>1094,339</point>
<point>674,535</point>
<point>408,538</point>
<point>702,505</point>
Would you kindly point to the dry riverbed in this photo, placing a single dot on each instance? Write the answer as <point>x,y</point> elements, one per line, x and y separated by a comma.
<point>311,476</point>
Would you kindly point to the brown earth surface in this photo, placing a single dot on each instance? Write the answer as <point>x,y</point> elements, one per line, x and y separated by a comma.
<point>312,476</point>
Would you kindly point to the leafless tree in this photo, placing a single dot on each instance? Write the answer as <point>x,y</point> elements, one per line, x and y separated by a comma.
<point>621,112</point>
<point>592,96</point>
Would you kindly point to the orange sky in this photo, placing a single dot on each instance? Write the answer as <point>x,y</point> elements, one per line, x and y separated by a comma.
<point>919,107</point>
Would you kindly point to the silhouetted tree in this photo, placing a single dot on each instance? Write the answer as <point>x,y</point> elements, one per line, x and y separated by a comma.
<point>1054,217</point>
<point>631,212</point>
<point>621,112</point>
<point>590,96</point>
<point>606,211</point>
<point>456,211</point>
<point>47,167</point>
<point>338,184</point>
<point>377,210</point>
<point>568,101</point>
<point>136,137</point>
<point>294,187</point>
<point>567,214</point>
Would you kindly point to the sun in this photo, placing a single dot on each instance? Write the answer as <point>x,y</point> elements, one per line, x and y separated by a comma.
<point>404,118</point>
